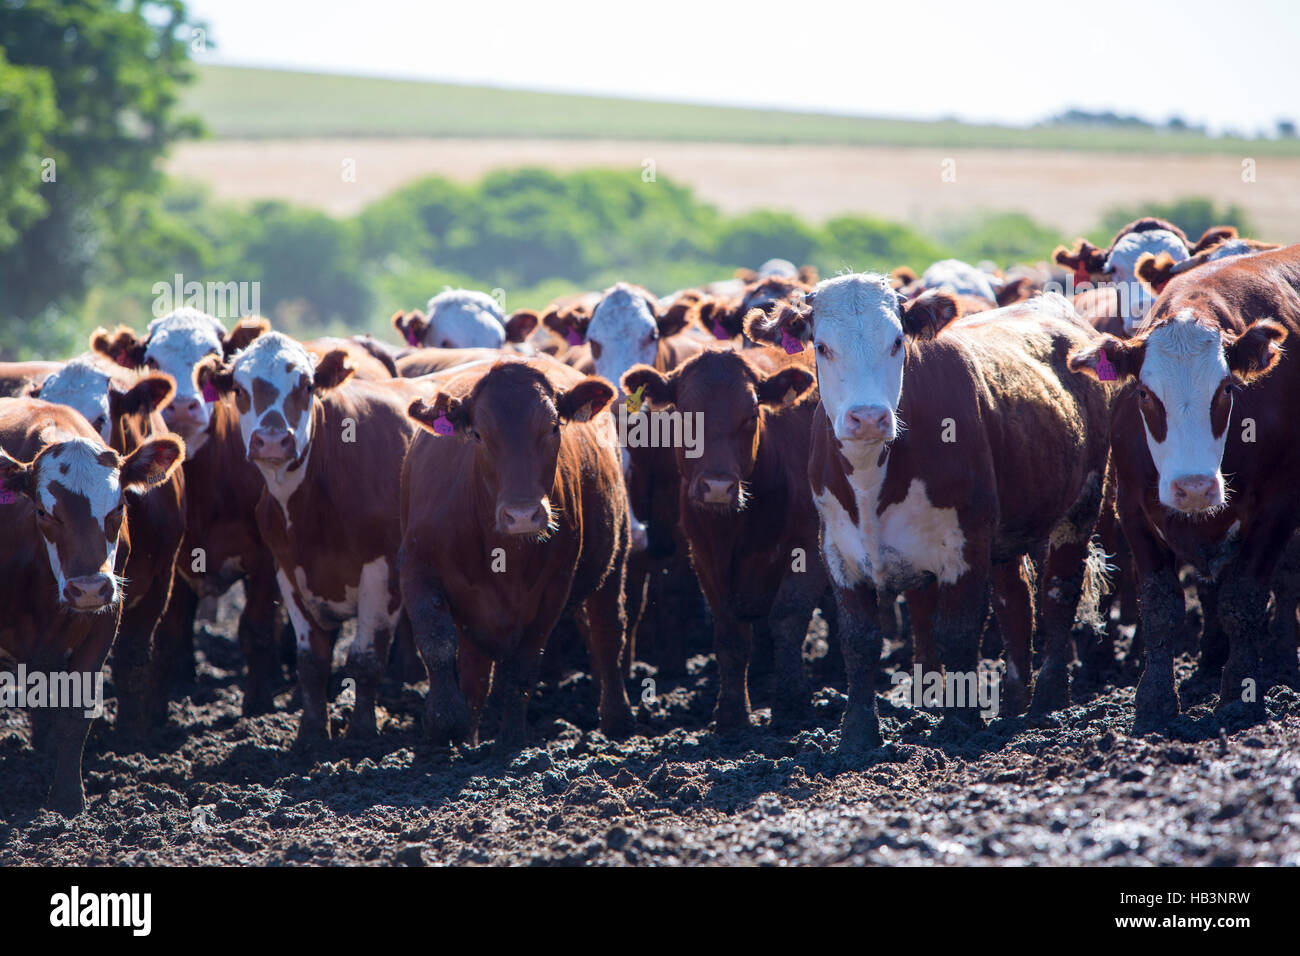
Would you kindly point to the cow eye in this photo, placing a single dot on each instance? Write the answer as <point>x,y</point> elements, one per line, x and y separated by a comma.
<point>555,429</point>
<point>477,436</point>
<point>898,344</point>
<point>446,344</point>
<point>595,349</point>
<point>151,363</point>
<point>823,351</point>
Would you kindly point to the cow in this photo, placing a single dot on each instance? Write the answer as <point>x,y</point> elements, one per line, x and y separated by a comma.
<point>329,449</point>
<point>1205,460</point>
<point>513,513</point>
<point>460,319</point>
<point>368,363</point>
<point>1116,302</point>
<point>426,361</point>
<point>124,408</point>
<point>67,541</point>
<point>18,379</point>
<point>746,509</point>
<point>922,475</point>
<point>724,319</point>
<point>1220,242</point>
<point>222,543</point>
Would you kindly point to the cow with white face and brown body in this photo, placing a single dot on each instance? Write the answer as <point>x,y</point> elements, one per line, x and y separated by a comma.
<point>942,455</point>
<point>329,449</point>
<point>222,543</point>
<point>513,513</point>
<point>124,408</point>
<point>67,542</point>
<point>464,319</point>
<point>1205,457</point>
<point>746,509</point>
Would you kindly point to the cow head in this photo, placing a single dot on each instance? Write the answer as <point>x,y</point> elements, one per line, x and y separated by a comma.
<point>275,382</point>
<point>1186,372</point>
<point>515,416</point>
<point>78,488</point>
<point>859,326</point>
<point>177,344</point>
<point>462,319</point>
<point>727,394</point>
<point>100,398</point>
<point>625,329</point>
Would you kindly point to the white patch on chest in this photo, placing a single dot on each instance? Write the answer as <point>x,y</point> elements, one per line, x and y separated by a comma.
<point>897,548</point>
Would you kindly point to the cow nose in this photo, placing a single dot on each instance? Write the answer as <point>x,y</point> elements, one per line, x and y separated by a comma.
<point>528,518</point>
<point>185,410</point>
<point>89,592</point>
<point>270,443</point>
<point>1195,492</point>
<point>716,489</point>
<point>868,423</point>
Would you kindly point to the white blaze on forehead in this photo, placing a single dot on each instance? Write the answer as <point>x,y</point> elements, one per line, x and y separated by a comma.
<point>79,471</point>
<point>280,362</point>
<point>1122,264</point>
<point>463,318</point>
<point>82,386</point>
<point>179,341</point>
<point>1183,367</point>
<point>626,330</point>
<point>778,267</point>
<point>857,318</point>
<point>959,278</point>
<point>1231,247</point>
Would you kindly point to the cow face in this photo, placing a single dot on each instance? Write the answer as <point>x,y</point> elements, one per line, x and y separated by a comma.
<point>78,489</point>
<point>274,383</point>
<point>1186,372</point>
<point>461,319</point>
<point>728,395</point>
<point>625,329</point>
<point>100,399</point>
<point>1121,268</point>
<point>515,418</point>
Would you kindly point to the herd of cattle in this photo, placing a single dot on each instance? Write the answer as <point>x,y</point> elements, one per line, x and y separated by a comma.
<point>963,440</point>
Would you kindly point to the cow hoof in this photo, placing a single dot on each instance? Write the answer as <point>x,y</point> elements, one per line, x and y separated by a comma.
<point>67,802</point>
<point>962,721</point>
<point>1015,698</point>
<point>730,720</point>
<point>256,706</point>
<point>362,729</point>
<point>1051,690</point>
<point>859,733</point>
<point>311,734</point>
<point>618,726</point>
<point>1156,707</point>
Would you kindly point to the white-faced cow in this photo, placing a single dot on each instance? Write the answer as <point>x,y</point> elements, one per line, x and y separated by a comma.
<point>463,319</point>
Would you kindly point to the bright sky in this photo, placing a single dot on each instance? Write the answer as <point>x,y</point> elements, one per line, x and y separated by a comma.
<point>1229,65</point>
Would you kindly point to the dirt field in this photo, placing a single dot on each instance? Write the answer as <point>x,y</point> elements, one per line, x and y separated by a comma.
<point>216,788</point>
<point>1068,190</point>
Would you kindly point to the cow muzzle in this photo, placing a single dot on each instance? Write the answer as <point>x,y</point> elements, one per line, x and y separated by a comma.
<point>186,416</point>
<point>867,423</point>
<point>1193,494</point>
<point>716,489</point>
<point>533,517</point>
<point>272,445</point>
<point>91,592</point>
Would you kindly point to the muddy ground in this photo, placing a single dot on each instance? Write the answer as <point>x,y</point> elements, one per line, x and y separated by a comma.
<point>215,788</point>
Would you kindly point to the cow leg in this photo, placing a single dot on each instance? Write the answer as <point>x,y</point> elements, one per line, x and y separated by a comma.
<point>792,609</point>
<point>475,669</point>
<point>636,601</point>
<point>314,653</point>
<point>1161,606</point>
<point>369,650</point>
<point>141,691</point>
<point>921,603</point>
<point>1279,654</point>
<point>959,617</point>
<point>1243,610</point>
<point>518,676</point>
<point>606,630</point>
<point>731,642</point>
<point>446,715</point>
<point>173,643</point>
<point>1013,606</point>
<point>71,725</point>
<point>257,642</point>
<point>1061,587</point>
<point>859,626</point>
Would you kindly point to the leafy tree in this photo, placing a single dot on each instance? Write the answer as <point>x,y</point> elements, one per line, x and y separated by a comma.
<point>27,117</point>
<point>1192,214</point>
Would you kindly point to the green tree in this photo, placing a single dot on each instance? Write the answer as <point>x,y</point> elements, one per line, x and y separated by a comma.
<point>27,118</point>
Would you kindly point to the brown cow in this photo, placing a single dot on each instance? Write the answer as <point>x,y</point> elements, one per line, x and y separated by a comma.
<point>1208,393</point>
<point>367,364</point>
<point>513,512</point>
<point>725,319</point>
<point>18,379</point>
<point>67,540</point>
<point>960,495</point>
<point>330,452</point>
<point>746,509</point>
<point>418,362</point>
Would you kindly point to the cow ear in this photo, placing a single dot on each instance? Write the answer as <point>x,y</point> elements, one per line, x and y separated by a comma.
<point>1084,259</point>
<point>787,325</point>
<point>900,277</point>
<point>777,388</point>
<point>677,316</point>
<point>245,331</point>
<point>809,275</point>
<point>15,476</point>
<point>442,414</point>
<point>929,313</point>
<point>1256,351</point>
<point>521,324</point>
<point>213,374</point>
<point>411,326</point>
<point>585,400</point>
<point>1212,237</point>
<point>150,393</point>
<point>151,463</point>
<point>718,318</point>
<point>1017,290</point>
<point>332,370</point>
<point>569,324</point>
<point>1109,359</point>
<point>660,389</point>
<point>1154,271</point>
<point>746,275</point>
<point>120,345</point>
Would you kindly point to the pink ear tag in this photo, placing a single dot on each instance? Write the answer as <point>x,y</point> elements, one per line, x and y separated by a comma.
<point>572,336</point>
<point>1105,371</point>
<point>209,393</point>
<point>789,342</point>
<point>442,426</point>
<point>718,331</point>
<point>411,337</point>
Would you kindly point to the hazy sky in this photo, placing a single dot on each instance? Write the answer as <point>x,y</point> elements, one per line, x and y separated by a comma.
<point>1233,65</point>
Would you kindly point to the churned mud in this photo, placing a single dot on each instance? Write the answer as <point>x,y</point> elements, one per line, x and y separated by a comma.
<point>215,788</point>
